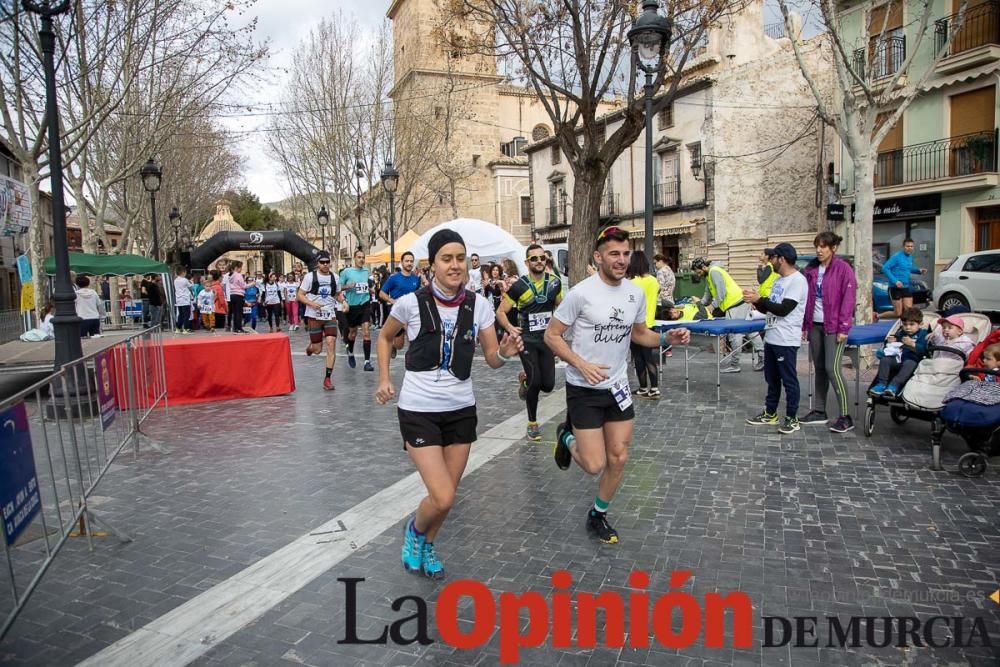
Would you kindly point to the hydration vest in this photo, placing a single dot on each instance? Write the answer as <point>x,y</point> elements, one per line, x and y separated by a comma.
<point>426,351</point>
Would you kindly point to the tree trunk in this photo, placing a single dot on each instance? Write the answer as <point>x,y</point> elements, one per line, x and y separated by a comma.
<point>586,207</point>
<point>864,208</point>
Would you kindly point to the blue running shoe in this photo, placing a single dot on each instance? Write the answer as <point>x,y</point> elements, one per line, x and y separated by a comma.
<point>877,389</point>
<point>432,567</point>
<point>413,548</point>
<point>891,391</point>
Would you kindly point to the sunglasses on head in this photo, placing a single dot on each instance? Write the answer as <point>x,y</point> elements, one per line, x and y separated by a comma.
<point>611,230</point>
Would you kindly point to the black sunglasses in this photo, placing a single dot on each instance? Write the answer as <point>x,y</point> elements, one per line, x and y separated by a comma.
<point>324,261</point>
<point>536,258</point>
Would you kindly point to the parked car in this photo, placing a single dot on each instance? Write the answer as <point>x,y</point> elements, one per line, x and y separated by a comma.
<point>971,280</point>
<point>880,284</point>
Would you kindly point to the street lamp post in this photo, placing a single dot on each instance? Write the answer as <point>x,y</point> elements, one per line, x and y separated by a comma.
<point>390,179</point>
<point>323,218</point>
<point>151,175</point>
<point>359,171</point>
<point>649,37</point>
<point>175,222</point>
<point>65,323</point>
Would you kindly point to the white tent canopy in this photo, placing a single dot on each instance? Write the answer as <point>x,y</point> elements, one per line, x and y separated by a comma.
<point>483,238</point>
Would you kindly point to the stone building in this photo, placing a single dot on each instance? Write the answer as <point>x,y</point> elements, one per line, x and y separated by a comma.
<point>456,106</point>
<point>738,156</point>
<point>12,246</point>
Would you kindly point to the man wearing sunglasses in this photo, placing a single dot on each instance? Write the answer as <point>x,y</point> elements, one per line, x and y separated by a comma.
<point>605,313</point>
<point>319,291</point>
<point>535,296</point>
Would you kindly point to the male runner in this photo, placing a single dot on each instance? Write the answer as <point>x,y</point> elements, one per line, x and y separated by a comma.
<point>319,291</point>
<point>605,312</point>
<point>534,295</point>
<point>399,284</point>
<point>359,299</point>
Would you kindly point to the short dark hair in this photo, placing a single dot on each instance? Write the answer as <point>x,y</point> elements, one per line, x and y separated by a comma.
<point>827,240</point>
<point>216,275</point>
<point>907,240</point>
<point>611,233</point>
<point>474,255</point>
<point>359,250</point>
<point>82,281</point>
<point>659,257</point>
<point>638,265</point>
<point>527,251</point>
<point>402,257</point>
<point>912,314</point>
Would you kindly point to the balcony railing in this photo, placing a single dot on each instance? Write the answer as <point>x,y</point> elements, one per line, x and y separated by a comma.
<point>887,56</point>
<point>609,205</point>
<point>557,215</point>
<point>668,193</point>
<point>963,155</point>
<point>775,30</point>
<point>981,27</point>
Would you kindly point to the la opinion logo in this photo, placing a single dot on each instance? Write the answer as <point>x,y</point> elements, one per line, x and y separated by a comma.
<point>256,238</point>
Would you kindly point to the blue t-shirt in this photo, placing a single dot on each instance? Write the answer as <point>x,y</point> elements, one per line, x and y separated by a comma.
<point>250,296</point>
<point>357,294</point>
<point>397,285</point>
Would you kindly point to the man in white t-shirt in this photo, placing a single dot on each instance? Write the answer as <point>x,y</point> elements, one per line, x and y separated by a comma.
<point>182,298</point>
<point>783,311</point>
<point>604,313</point>
<point>475,283</point>
<point>320,291</point>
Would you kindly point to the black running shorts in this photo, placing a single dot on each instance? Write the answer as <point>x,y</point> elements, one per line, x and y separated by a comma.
<point>897,293</point>
<point>593,408</point>
<point>358,315</point>
<point>320,329</point>
<point>426,429</point>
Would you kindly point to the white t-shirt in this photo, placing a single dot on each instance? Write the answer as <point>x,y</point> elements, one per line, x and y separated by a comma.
<point>272,294</point>
<point>818,307</point>
<point>290,290</point>
<point>475,280</point>
<point>328,290</point>
<point>206,301</point>
<point>182,291</point>
<point>600,319</point>
<point>787,331</point>
<point>437,390</point>
<point>225,284</point>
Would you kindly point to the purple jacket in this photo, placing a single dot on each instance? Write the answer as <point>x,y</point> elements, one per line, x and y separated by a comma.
<point>839,294</point>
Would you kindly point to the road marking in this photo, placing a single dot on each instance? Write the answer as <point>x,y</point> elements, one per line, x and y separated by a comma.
<point>199,625</point>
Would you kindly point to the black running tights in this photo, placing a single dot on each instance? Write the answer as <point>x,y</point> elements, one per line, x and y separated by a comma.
<point>540,365</point>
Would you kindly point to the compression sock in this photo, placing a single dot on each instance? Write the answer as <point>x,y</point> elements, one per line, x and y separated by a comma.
<point>367,345</point>
<point>601,506</point>
<point>350,346</point>
<point>329,371</point>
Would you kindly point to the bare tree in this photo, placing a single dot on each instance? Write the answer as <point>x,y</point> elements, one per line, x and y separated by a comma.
<point>874,91</point>
<point>575,54</point>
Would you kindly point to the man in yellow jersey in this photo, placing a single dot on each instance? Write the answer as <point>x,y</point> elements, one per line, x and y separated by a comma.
<point>723,297</point>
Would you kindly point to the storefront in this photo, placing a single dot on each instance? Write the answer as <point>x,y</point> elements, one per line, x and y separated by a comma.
<point>907,217</point>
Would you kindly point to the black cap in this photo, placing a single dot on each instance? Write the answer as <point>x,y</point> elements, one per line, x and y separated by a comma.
<point>441,238</point>
<point>786,250</point>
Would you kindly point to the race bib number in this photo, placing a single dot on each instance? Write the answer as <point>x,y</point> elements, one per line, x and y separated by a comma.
<point>326,313</point>
<point>247,310</point>
<point>539,321</point>
<point>770,320</point>
<point>205,310</point>
<point>361,288</point>
<point>622,393</point>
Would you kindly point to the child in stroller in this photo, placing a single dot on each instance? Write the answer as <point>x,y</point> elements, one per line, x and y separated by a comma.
<point>972,411</point>
<point>902,352</point>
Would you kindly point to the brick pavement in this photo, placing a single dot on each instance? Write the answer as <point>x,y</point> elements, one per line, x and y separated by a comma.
<point>813,524</point>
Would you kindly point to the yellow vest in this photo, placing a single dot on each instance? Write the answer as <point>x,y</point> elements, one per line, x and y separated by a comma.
<point>651,287</point>
<point>689,311</point>
<point>765,287</point>
<point>734,294</point>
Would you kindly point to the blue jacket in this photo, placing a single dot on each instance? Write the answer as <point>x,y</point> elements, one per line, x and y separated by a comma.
<point>920,341</point>
<point>899,268</point>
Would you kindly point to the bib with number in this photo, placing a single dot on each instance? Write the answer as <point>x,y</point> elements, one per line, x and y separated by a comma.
<point>247,310</point>
<point>770,320</point>
<point>622,393</point>
<point>539,321</point>
<point>326,313</point>
<point>361,288</point>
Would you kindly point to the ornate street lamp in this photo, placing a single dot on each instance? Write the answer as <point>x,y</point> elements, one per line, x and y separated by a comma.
<point>151,175</point>
<point>390,180</point>
<point>66,324</point>
<point>650,39</point>
<point>323,218</point>
<point>175,222</point>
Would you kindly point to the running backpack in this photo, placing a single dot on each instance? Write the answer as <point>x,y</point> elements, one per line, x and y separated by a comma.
<point>426,351</point>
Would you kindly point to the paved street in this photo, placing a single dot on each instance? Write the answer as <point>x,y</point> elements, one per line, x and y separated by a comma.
<point>814,524</point>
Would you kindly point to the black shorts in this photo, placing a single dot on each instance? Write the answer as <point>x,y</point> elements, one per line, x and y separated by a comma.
<point>897,293</point>
<point>358,315</point>
<point>427,429</point>
<point>593,408</point>
<point>320,329</point>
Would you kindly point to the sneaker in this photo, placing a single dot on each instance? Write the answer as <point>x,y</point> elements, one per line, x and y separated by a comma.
<point>368,366</point>
<point>763,419</point>
<point>730,369</point>
<point>789,425</point>
<point>597,523</point>
<point>534,431</point>
<point>758,365</point>
<point>522,386</point>
<point>843,424</point>
<point>641,392</point>
<point>351,361</point>
<point>561,452</point>
<point>413,548</point>
<point>876,389</point>
<point>654,394</point>
<point>309,351</point>
<point>328,384</point>
<point>815,417</point>
<point>431,566</point>
<point>891,391</point>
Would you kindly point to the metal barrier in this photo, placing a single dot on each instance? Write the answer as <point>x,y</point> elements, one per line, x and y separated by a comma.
<point>11,325</point>
<point>60,436</point>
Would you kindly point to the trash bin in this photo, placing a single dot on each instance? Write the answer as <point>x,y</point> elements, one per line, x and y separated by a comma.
<point>686,287</point>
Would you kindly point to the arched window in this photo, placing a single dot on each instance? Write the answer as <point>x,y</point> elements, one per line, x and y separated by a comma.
<point>540,132</point>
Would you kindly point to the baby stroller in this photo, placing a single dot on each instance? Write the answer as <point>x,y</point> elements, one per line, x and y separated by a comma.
<point>923,396</point>
<point>972,411</point>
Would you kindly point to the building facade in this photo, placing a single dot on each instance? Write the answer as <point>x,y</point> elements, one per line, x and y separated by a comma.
<point>735,157</point>
<point>936,177</point>
<point>12,246</point>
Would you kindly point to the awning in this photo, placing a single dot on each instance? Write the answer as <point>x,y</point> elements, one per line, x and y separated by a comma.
<point>964,75</point>
<point>108,265</point>
<point>402,244</point>
<point>674,228</point>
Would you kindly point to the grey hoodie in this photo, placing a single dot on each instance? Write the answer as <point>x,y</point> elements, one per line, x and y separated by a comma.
<point>89,305</point>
